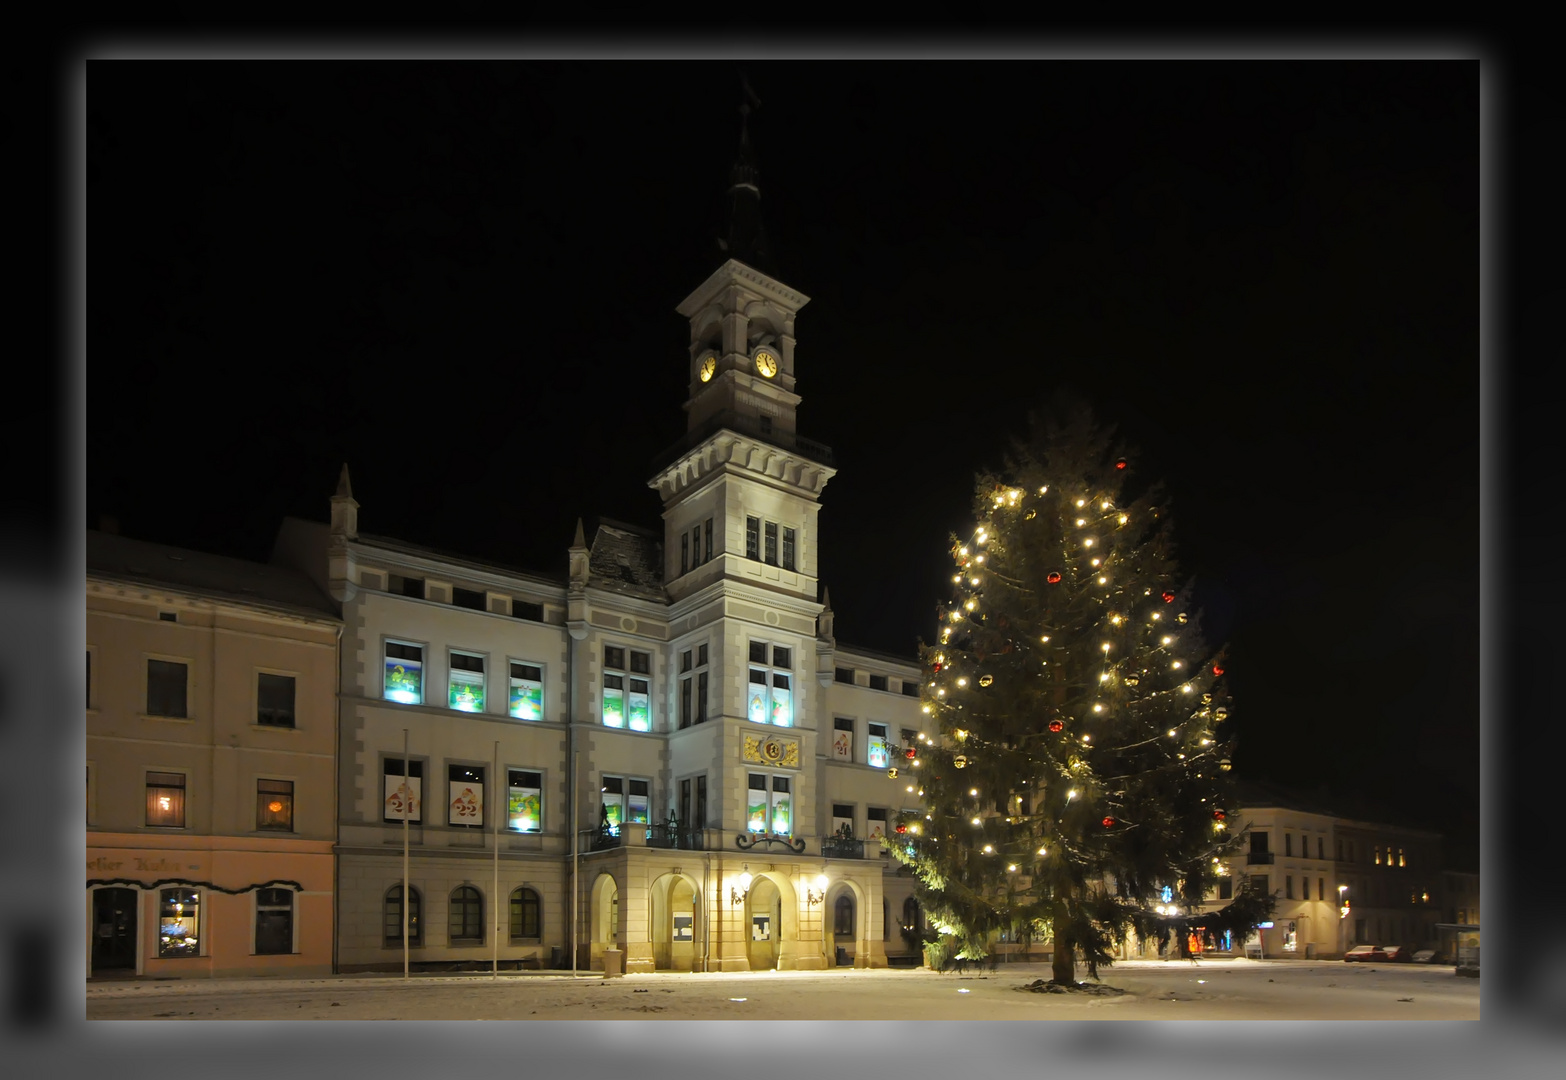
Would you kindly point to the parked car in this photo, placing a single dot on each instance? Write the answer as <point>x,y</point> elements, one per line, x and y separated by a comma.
<point>1364,954</point>
<point>1398,954</point>
<point>1424,956</point>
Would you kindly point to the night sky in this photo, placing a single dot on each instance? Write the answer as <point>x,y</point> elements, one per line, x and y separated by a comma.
<point>460,278</point>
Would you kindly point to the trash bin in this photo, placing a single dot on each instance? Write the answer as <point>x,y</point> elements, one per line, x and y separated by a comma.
<point>614,963</point>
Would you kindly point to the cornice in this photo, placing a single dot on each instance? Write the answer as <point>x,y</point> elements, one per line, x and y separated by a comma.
<point>735,272</point>
<point>738,454</point>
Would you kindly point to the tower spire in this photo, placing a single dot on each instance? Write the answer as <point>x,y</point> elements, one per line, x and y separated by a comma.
<point>746,239</point>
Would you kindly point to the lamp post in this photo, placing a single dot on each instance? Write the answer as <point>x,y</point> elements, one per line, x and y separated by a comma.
<point>1343,912</point>
<point>813,896</point>
<point>737,895</point>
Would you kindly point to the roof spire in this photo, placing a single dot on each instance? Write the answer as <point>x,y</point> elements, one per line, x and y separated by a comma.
<point>344,490</point>
<point>746,240</point>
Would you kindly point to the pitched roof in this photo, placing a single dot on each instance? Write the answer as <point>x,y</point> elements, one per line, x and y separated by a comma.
<point>120,558</point>
<point>627,560</point>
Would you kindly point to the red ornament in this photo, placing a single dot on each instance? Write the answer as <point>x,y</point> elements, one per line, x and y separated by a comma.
<point>1053,577</point>
<point>1109,823</point>
<point>1218,815</point>
<point>902,828</point>
<point>910,752</point>
<point>1168,597</point>
<point>937,669</point>
<point>1217,670</point>
<point>1056,725</point>
<point>1120,464</point>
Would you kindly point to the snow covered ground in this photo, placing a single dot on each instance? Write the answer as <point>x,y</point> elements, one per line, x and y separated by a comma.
<point>1152,990</point>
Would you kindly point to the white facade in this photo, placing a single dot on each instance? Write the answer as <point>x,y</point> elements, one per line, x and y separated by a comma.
<point>691,676</point>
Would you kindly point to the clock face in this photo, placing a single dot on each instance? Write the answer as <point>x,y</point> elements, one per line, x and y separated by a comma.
<point>708,365</point>
<point>766,363</point>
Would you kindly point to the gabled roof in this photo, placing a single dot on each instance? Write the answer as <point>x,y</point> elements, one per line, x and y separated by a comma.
<point>119,558</point>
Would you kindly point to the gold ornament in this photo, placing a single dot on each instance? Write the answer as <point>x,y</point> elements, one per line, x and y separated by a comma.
<point>960,761</point>
<point>986,680</point>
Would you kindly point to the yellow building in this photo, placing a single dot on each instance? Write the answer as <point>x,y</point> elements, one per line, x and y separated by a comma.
<point>211,734</point>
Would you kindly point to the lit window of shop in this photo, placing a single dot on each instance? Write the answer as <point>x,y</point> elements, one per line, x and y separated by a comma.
<point>527,691</point>
<point>771,691</point>
<point>404,672</point>
<point>166,800</point>
<point>179,923</point>
<point>275,805</point>
<point>465,796</point>
<point>274,921</point>
<point>524,801</point>
<point>467,682</point>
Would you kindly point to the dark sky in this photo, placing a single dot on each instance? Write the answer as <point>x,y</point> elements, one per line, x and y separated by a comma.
<point>460,278</point>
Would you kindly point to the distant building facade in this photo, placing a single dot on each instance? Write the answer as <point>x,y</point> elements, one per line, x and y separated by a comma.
<point>666,755</point>
<point>211,761</point>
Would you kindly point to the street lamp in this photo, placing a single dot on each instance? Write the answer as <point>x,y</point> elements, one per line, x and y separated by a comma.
<point>1343,911</point>
<point>814,896</point>
<point>737,896</point>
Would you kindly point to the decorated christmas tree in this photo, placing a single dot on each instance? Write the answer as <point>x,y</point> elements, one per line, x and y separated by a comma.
<point>1078,785</point>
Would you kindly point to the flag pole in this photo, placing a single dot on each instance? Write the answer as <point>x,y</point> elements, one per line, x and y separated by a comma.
<point>407,795</point>
<point>495,892</point>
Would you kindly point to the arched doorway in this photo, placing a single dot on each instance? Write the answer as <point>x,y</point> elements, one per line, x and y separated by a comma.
<point>674,922</point>
<point>114,931</point>
<point>603,918</point>
<point>763,928</point>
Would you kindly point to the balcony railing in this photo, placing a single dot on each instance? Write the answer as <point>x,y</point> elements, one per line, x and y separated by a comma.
<point>1259,858</point>
<point>667,836</point>
<point>842,847</point>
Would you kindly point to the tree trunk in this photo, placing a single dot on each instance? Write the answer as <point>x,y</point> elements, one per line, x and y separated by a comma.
<point>1065,953</point>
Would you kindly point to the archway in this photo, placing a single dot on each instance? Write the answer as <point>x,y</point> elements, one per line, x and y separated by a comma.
<point>846,916</point>
<point>603,918</point>
<point>675,922</point>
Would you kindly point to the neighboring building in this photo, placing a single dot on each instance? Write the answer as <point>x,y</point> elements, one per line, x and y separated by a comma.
<point>668,742</point>
<point>1316,864</point>
<point>211,733</point>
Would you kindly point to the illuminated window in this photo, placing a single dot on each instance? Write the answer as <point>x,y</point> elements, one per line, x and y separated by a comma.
<point>274,921</point>
<point>876,752</point>
<point>842,738</point>
<point>465,916</point>
<point>843,819</point>
<point>627,698</point>
<point>166,800</point>
<point>402,787</point>
<point>524,800</point>
<point>166,681</point>
<point>179,923</point>
<point>467,682</point>
<point>404,672</point>
<point>527,691</point>
<point>770,695</point>
<point>274,700</point>
<point>526,915</point>
<point>275,805</point>
<point>769,805</point>
<point>391,917</point>
<point>624,799</point>
<point>465,796</point>
<point>875,822</point>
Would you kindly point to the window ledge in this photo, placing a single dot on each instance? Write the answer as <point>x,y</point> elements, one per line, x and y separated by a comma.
<point>274,727</point>
<point>167,719</point>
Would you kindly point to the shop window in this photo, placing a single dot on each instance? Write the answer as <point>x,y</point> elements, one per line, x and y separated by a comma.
<point>166,688</point>
<point>524,800</point>
<point>526,915</point>
<point>275,805</point>
<point>527,691</point>
<point>274,700</point>
<point>467,682</point>
<point>465,917</point>
<point>771,684</point>
<point>877,753</point>
<point>404,672</point>
<point>179,922</point>
<point>274,921</point>
<point>843,915</point>
<point>166,800</point>
<point>465,796</point>
<point>391,910</point>
<point>402,786</point>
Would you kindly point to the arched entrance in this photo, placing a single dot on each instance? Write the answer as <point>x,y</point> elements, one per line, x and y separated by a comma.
<point>674,923</point>
<point>847,923</point>
<point>114,931</point>
<point>603,918</point>
<point>763,927</point>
